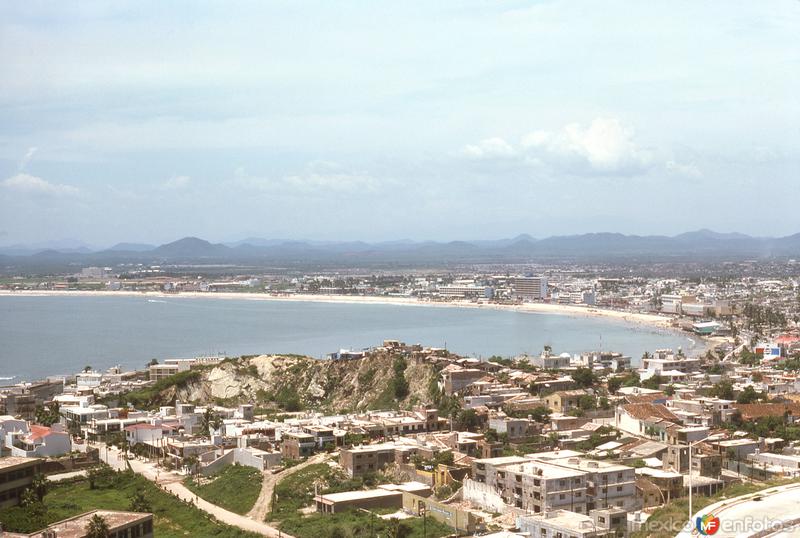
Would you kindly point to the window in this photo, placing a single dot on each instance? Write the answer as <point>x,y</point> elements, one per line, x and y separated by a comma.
<point>619,488</point>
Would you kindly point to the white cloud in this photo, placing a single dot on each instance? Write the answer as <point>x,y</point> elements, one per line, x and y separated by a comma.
<point>27,158</point>
<point>490,148</point>
<point>688,170</point>
<point>28,184</point>
<point>606,146</point>
<point>176,183</point>
<point>318,177</point>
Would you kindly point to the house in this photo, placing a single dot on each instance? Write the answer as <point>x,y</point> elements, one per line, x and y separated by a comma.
<point>149,434</point>
<point>360,460</point>
<point>39,441</point>
<point>297,445</point>
<point>644,419</point>
<point>564,400</point>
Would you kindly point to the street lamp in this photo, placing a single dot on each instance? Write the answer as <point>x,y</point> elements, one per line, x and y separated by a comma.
<point>690,446</point>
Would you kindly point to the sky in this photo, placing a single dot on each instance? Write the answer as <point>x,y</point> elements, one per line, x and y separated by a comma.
<point>149,121</point>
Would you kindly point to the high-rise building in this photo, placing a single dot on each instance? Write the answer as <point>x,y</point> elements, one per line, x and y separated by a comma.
<point>530,287</point>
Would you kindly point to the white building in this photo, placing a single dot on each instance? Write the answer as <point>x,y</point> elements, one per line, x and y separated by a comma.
<point>530,287</point>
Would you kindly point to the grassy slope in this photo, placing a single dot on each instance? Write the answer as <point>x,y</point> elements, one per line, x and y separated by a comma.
<point>172,517</point>
<point>297,491</point>
<point>666,521</point>
<point>235,488</point>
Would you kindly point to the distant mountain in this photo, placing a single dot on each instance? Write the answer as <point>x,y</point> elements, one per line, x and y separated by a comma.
<point>69,246</point>
<point>131,247</point>
<point>191,247</point>
<point>699,245</point>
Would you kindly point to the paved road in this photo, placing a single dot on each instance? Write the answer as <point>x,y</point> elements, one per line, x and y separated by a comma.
<point>754,514</point>
<point>264,502</point>
<point>172,483</point>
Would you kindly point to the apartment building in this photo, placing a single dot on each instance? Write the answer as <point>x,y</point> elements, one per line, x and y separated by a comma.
<point>296,445</point>
<point>543,482</point>
<point>530,288</point>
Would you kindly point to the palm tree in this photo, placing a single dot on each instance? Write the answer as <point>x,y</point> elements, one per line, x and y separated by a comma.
<point>191,463</point>
<point>97,527</point>
<point>39,486</point>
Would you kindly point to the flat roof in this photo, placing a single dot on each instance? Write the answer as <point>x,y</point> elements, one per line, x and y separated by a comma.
<point>406,486</point>
<point>736,442</point>
<point>346,496</point>
<point>503,460</point>
<point>13,461</point>
<point>75,527</point>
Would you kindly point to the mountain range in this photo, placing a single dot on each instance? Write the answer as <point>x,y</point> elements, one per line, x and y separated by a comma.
<point>698,245</point>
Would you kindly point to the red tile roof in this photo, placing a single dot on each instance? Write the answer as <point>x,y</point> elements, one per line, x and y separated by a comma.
<point>643,411</point>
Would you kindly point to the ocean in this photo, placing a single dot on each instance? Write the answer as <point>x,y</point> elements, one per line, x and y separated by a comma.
<point>51,335</point>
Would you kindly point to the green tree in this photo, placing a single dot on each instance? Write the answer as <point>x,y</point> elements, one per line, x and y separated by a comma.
<point>47,415</point>
<point>209,421</point>
<point>584,377</point>
<point>653,382</point>
<point>540,414</point>
<point>723,390</point>
<point>97,527</point>
<point>587,402</point>
<point>749,395</point>
<point>399,381</point>
<point>40,485</point>
<point>614,384</point>
<point>466,419</point>
<point>139,502</point>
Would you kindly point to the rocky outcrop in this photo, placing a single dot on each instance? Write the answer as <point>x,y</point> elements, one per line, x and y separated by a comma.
<point>292,382</point>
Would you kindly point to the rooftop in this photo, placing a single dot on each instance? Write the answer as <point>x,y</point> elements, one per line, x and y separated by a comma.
<point>13,461</point>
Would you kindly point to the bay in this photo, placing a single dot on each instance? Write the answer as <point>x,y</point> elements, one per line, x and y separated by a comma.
<point>50,335</point>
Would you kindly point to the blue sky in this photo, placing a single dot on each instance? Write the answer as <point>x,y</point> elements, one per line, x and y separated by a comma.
<point>149,121</point>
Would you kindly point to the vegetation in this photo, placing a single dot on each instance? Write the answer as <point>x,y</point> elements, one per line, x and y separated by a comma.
<point>97,527</point>
<point>749,395</point>
<point>112,490</point>
<point>584,377</point>
<point>766,427</point>
<point>653,382</point>
<point>151,397</point>
<point>296,491</point>
<point>668,520</point>
<point>399,381</point>
<point>47,416</point>
<point>235,488</point>
<point>723,389</point>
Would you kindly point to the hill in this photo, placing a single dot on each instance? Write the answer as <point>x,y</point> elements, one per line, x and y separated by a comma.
<point>294,382</point>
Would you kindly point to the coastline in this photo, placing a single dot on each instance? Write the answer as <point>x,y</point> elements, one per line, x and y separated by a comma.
<point>652,320</point>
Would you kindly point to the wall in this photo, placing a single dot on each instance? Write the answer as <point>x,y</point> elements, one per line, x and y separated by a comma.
<point>483,496</point>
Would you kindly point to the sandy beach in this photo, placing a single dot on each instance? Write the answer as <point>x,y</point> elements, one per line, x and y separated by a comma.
<point>653,320</point>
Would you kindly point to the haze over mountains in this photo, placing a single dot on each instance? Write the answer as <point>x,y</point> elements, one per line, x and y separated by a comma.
<point>697,245</point>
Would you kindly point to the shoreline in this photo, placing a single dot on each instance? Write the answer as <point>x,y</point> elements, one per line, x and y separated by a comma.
<point>635,318</point>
